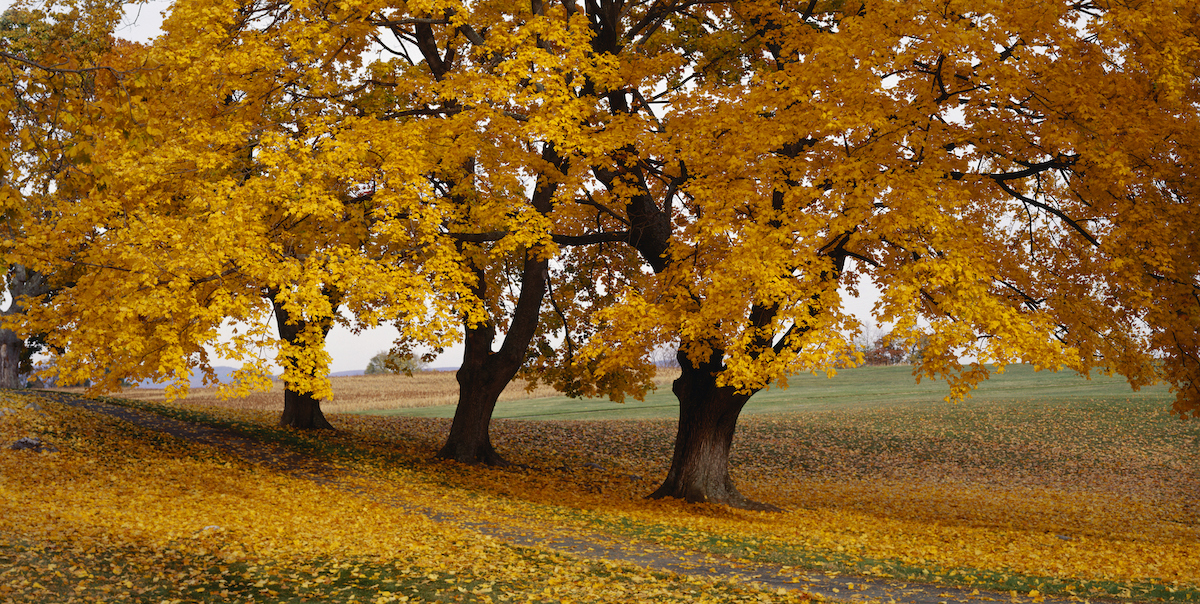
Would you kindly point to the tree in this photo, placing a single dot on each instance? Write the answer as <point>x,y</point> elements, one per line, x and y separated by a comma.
<point>502,177</point>
<point>215,188</point>
<point>915,144</point>
<point>47,72</point>
<point>879,348</point>
<point>390,362</point>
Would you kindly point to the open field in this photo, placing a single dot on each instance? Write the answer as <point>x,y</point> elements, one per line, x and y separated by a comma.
<point>434,394</point>
<point>1038,485</point>
<point>361,393</point>
<point>849,390</point>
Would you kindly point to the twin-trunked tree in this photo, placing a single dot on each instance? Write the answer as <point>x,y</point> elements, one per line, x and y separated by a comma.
<point>1016,178</point>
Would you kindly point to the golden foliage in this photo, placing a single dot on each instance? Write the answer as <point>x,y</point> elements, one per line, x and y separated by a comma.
<point>243,165</point>
<point>1016,177</point>
<point>1013,176</point>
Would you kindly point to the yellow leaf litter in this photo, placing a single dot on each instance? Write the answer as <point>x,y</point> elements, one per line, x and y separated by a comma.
<point>144,516</point>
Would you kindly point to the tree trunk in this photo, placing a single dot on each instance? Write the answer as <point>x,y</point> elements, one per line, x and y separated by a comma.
<point>11,347</point>
<point>23,285</point>
<point>300,409</point>
<point>708,417</point>
<point>480,382</point>
<point>484,374</point>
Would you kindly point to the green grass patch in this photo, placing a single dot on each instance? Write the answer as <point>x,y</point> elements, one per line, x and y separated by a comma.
<point>850,389</point>
<point>765,549</point>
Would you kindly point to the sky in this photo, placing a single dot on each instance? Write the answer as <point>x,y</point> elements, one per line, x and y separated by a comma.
<point>352,351</point>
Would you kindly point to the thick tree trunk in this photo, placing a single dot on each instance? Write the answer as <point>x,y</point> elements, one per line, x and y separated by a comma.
<point>708,417</point>
<point>484,374</point>
<point>23,285</point>
<point>480,382</point>
<point>11,347</point>
<point>300,409</point>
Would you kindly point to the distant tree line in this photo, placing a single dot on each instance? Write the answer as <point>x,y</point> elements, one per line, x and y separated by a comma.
<point>393,362</point>
<point>880,347</point>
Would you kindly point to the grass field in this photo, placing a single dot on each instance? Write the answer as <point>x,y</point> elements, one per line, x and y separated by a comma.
<point>1040,484</point>
<point>364,393</point>
<point>849,390</point>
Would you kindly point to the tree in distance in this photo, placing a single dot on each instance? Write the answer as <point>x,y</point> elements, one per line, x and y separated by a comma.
<point>879,347</point>
<point>391,362</point>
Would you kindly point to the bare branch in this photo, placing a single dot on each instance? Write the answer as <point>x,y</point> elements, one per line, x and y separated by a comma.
<point>52,69</point>
<point>594,238</point>
<point>1033,202</point>
<point>567,240</point>
<point>411,21</point>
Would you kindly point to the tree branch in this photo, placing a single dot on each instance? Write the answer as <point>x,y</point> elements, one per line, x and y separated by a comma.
<point>1033,202</point>
<point>479,237</point>
<point>31,63</point>
<point>1033,169</point>
<point>594,238</point>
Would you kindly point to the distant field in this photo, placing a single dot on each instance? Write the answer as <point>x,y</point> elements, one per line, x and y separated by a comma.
<point>352,394</point>
<point>850,389</point>
<point>364,393</point>
<point>434,394</point>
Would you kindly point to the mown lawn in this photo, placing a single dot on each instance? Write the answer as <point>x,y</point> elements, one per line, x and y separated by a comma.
<point>1039,485</point>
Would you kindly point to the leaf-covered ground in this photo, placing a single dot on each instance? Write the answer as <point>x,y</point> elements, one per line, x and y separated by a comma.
<point>1086,497</point>
<point>122,513</point>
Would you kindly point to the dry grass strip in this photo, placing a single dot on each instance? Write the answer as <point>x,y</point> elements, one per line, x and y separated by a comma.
<point>362,393</point>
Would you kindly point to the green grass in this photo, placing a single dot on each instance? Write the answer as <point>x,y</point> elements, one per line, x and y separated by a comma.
<point>757,549</point>
<point>850,389</point>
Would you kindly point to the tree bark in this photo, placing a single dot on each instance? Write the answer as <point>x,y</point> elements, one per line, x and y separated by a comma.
<point>481,379</point>
<point>708,417</point>
<point>23,285</point>
<point>300,409</point>
<point>484,374</point>
<point>11,347</point>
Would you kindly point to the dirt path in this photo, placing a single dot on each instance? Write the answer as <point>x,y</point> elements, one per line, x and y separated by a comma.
<point>586,545</point>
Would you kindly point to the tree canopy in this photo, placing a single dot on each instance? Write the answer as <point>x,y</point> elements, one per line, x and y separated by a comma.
<point>1017,179</point>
